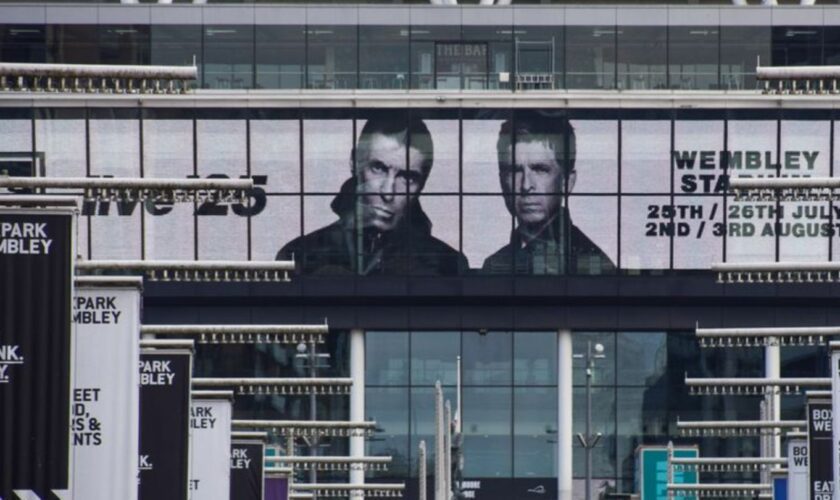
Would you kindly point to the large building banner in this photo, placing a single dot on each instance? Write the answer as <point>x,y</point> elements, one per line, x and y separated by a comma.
<point>246,469</point>
<point>450,191</point>
<point>210,431</point>
<point>165,379</point>
<point>797,453</point>
<point>36,252</point>
<point>105,403</point>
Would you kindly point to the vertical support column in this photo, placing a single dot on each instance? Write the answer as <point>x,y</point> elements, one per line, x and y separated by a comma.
<point>564,414</point>
<point>773,369</point>
<point>357,404</point>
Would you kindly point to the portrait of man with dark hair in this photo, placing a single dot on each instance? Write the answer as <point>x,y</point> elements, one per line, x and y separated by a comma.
<point>536,174</point>
<point>381,227</point>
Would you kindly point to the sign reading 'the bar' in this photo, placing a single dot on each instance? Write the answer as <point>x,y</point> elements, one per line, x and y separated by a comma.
<point>164,424</point>
<point>36,251</point>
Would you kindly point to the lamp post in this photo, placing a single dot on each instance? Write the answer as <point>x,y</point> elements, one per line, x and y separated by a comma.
<point>588,440</point>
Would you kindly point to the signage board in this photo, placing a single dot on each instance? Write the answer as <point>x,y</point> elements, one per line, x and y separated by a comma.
<point>210,415</point>
<point>105,400</point>
<point>246,470</point>
<point>798,468</point>
<point>36,268</point>
<point>165,378</point>
<point>820,450</point>
<point>652,471</point>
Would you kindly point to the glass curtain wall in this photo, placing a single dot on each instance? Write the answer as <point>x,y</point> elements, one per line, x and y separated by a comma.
<point>280,54</point>
<point>229,57</point>
<point>590,57</point>
<point>331,57</point>
<point>693,58</point>
<point>383,57</point>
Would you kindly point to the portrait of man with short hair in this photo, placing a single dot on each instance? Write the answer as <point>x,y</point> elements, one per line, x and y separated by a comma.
<point>535,175</point>
<point>381,227</point>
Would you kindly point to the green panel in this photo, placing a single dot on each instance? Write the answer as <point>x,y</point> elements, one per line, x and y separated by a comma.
<point>654,473</point>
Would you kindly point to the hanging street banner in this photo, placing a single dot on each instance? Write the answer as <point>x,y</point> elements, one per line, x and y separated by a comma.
<point>797,453</point>
<point>246,469</point>
<point>105,416</point>
<point>820,450</point>
<point>165,378</point>
<point>276,487</point>
<point>210,428</point>
<point>36,268</point>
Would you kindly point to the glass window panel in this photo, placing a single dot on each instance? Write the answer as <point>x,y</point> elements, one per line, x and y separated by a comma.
<point>168,152</point>
<point>804,361</point>
<point>23,43</point>
<point>642,357</point>
<point>604,372</point>
<point>480,151</point>
<point>487,431</point>
<point>693,57</point>
<point>645,241</point>
<point>389,409</point>
<point>497,43</point>
<point>445,174</point>
<point>603,421</point>
<point>72,44</point>
<point>590,57</point>
<point>595,156</point>
<point>740,48</point>
<point>327,154</point>
<point>424,72</point>
<point>274,226</point>
<point>386,358</point>
<point>125,44</point>
<point>221,151</point>
<point>487,226</point>
<point>593,238</point>
<point>16,148</point>
<point>383,57</point>
<point>831,45</point>
<point>797,46</point>
<point>228,57</point>
<point>487,358</point>
<point>752,152</point>
<point>535,432</point>
<point>433,357</point>
<point>436,253</point>
<point>643,418</point>
<point>275,153</point>
<point>641,57</point>
<point>280,56</point>
<point>115,152</point>
<point>539,51</point>
<point>332,57</point>
<point>534,358</point>
<point>422,423</point>
<point>177,45</point>
<point>645,161</point>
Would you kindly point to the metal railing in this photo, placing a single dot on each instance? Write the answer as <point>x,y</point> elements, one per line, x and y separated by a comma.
<point>96,78</point>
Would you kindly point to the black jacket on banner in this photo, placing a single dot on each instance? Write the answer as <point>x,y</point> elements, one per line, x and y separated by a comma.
<point>345,248</point>
<point>559,248</point>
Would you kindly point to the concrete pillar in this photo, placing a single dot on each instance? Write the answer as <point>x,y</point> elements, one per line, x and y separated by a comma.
<point>773,369</point>
<point>564,414</point>
<point>357,403</point>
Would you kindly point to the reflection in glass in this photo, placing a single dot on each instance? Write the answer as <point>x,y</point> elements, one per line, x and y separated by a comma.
<point>487,431</point>
<point>641,57</point>
<point>433,357</point>
<point>642,357</point>
<point>23,43</point>
<point>386,358</point>
<point>331,57</point>
<point>604,373</point>
<point>603,421</point>
<point>797,45</point>
<point>422,422</point>
<point>487,358</point>
<point>535,358</point>
<point>590,57</point>
<point>693,57</point>
<point>280,57</point>
<point>124,44</point>
<point>535,432</point>
<point>383,57</point>
<point>740,48</point>
<point>539,52</point>
<point>228,57</point>
<point>425,71</point>
<point>495,44</point>
<point>389,409</point>
<point>177,45</point>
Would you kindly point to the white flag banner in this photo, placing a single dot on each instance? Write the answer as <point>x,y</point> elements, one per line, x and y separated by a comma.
<point>210,427</point>
<point>105,406</point>
<point>797,453</point>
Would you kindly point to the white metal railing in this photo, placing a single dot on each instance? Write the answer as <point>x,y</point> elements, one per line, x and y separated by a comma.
<point>162,190</point>
<point>329,463</point>
<point>189,270</point>
<point>753,386</point>
<point>799,79</point>
<point>718,490</point>
<point>736,427</point>
<point>367,490</point>
<point>726,464</point>
<point>309,428</point>
<point>785,188</point>
<point>762,337</point>
<point>242,334</point>
<point>777,272</point>
<point>92,78</point>
<point>253,386</point>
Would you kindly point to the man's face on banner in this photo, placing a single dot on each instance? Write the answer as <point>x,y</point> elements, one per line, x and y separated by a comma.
<point>388,185</point>
<point>536,180</point>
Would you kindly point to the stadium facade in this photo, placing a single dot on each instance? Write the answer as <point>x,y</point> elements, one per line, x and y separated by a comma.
<point>502,184</point>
